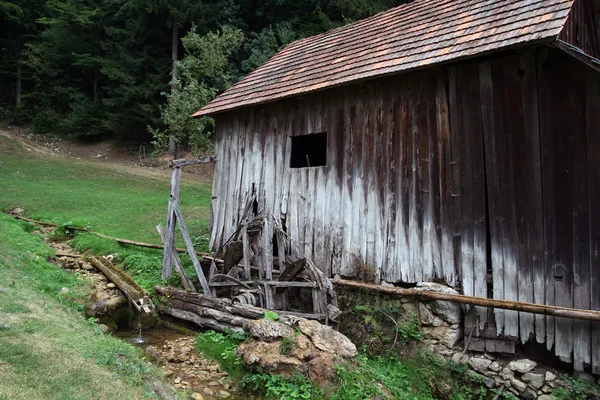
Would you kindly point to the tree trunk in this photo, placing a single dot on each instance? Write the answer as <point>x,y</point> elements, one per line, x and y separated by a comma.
<point>174,149</point>
<point>19,80</point>
<point>174,54</point>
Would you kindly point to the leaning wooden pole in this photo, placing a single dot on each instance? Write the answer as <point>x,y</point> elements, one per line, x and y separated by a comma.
<point>588,315</point>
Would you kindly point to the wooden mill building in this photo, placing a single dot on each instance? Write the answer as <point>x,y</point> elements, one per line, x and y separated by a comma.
<point>455,141</point>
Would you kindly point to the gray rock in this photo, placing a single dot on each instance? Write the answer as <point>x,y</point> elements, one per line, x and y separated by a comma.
<point>522,366</point>
<point>536,381</point>
<point>449,312</point>
<point>111,285</point>
<point>223,394</point>
<point>326,339</point>
<point>546,397</point>
<point>518,385</point>
<point>445,334</point>
<point>489,356</point>
<point>489,382</point>
<point>495,367</point>
<point>507,374</point>
<point>460,358</point>
<point>426,317</point>
<point>64,291</point>
<point>528,394</point>
<point>479,364</point>
<point>269,331</point>
<point>105,328</point>
<point>546,389</point>
<point>550,376</point>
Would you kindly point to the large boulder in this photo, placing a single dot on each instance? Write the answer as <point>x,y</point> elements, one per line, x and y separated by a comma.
<point>327,339</point>
<point>308,347</point>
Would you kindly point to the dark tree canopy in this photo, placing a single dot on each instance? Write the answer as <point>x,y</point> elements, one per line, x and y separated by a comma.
<point>112,67</point>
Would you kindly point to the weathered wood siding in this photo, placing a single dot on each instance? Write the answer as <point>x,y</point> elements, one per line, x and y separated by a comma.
<point>481,175</point>
<point>581,29</point>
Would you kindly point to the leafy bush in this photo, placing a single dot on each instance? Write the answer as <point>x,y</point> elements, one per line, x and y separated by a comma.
<point>221,348</point>
<point>281,388</point>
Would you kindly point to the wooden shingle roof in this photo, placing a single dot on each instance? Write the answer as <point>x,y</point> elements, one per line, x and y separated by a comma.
<point>414,35</point>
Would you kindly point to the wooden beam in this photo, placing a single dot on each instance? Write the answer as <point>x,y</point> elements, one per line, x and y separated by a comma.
<point>191,251</point>
<point>565,312</point>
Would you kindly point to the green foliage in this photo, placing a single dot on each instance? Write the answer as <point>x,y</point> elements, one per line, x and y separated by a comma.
<point>221,348</point>
<point>577,389</point>
<point>287,345</point>
<point>96,68</point>
<point>281,388</point>
<point>203,72</point>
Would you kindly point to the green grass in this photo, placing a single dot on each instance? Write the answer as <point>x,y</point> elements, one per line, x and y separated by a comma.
<point>113,201</point>
<point>51,351</point>
<point>116,201</point>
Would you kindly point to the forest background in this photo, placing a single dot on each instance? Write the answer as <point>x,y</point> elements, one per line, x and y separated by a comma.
<point>137,69</point>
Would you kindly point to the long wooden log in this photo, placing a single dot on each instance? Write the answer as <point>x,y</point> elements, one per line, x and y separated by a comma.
<point>588,315</point>
<point>199,299</point>
<point>121,280</point>
<point>200,321</point>
<point>211,313</point>
<point>208,256</point>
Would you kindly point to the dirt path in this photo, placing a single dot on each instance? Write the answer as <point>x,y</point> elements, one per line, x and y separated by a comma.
<point>107,153</point>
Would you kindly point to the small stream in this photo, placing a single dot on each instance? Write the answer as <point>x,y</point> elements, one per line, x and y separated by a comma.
<point>172,351</point>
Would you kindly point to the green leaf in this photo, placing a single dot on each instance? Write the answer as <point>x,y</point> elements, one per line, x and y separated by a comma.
<point>271,316</point>
<point>368,319</point>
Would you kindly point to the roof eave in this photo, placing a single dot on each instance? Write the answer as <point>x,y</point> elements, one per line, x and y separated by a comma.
<point>207,111</point>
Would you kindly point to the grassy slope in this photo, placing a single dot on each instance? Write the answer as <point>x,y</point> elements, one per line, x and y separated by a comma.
<point>117,203</point>
<point>51,351</point>
<point>108,200</point>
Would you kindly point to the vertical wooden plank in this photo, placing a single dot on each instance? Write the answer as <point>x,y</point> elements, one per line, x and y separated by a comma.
<point>414,193</point>
<point>391,150</point>
<point>504,133</point>
<point>465,124</point>
<point>446,203</point>
<point>455,165</point>
<point>555,127</point>
<point>580,214</point>
<point>406,181</point>
<point>358,193</point>
<point>544,103</point>
<point>519,167</point>
<point>532,211</point>
<point>380,158</point>
<point>370,212</point>
<point>592,112</point>
<point>216,186</point>
<point>424,181</point>
<point>493,186</point>
<point>435,222</point>
<point>480,267</point>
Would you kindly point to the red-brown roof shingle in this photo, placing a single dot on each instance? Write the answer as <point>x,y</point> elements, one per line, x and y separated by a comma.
<point>418,34</point>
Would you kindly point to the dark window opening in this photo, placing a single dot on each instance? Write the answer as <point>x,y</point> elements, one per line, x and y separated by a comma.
<point>309,150</point>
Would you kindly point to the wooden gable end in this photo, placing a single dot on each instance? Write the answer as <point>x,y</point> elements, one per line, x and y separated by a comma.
<point>581,29</point>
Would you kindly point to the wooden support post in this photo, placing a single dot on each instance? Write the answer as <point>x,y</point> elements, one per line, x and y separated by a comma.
<point>190,247</point>
<point>246,248</point>
<point>185,281</point>
<point>171,224</point>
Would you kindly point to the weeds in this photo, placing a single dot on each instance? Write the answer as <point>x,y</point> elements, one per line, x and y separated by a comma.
<point>577,389</point>
<point>288,344</point>
<point>281,388</point>
<point>221,348</point>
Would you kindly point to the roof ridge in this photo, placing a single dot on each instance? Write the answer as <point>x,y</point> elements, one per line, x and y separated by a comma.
<point>413,35</point>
